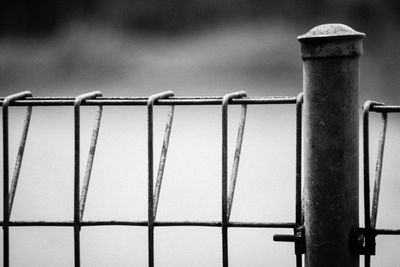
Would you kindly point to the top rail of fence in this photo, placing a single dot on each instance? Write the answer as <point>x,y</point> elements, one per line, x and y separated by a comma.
<point>142,101</point>
<point>385,108</point>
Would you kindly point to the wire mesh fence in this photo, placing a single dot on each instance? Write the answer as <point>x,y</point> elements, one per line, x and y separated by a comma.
<point>25,99</point>
<point>326,216</point>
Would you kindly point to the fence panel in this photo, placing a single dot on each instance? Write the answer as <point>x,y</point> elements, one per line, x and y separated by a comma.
<point>325,222</point>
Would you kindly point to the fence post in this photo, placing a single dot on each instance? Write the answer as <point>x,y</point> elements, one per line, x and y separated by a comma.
<point>331,121</point>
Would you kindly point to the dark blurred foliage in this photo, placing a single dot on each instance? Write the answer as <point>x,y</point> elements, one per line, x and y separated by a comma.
<point>22,17</point>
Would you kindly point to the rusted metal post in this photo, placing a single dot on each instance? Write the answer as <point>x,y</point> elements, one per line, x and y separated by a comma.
<point>331,120</point>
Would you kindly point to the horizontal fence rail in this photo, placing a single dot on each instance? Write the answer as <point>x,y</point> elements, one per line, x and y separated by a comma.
<point>25,99</point>
<point>143,101</point>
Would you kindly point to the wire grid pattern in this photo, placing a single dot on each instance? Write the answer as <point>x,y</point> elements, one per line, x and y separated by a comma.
<point>165,98</point>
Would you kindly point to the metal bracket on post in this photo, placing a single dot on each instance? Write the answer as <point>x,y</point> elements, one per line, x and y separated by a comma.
<point>365,241</point>
<point>298,238</point>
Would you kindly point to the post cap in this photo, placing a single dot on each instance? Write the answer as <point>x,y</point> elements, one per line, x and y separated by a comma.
<point>331,40</point>
<point>333,31</point>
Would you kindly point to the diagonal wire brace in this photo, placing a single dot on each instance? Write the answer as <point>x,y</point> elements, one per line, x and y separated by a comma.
<point>89,163</point>
<point>163,158</point>
<point>236,159</point>
<point>20,155</point>
<point>7,205</point>
<point>80,202</point>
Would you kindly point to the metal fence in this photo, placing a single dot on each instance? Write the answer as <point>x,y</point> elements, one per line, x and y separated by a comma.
<point>325,225</point>
<point>165,98</point>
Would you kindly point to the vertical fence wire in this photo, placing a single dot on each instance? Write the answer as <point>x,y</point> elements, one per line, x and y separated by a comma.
<point>367,218</point>
<point>6,212</point>
<point>371,215</point>
<point>77,118</point>
<point>224,226</point>
<point>6,215</point>
<point>150,196</point>
<point>299,218</point>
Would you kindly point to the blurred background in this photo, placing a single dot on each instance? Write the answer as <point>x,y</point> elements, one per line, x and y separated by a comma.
<point>130,47</point>
<point>193,47</point>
